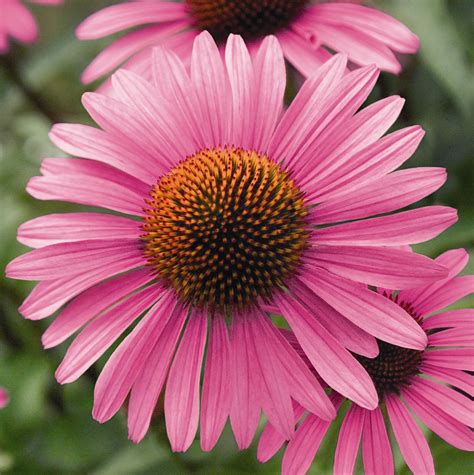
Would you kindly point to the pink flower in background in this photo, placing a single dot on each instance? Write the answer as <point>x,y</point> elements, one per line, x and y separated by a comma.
<point>305,31</point>
<point>4,398</point>
<point>16,21</point>
<point>408,382</point>
<point>230,208</point>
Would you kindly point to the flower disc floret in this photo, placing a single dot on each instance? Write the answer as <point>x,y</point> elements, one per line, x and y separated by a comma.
<point>248,18</point>
<point>225,227</point>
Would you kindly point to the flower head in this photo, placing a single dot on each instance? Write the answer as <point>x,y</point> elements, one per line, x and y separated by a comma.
<point>226,200</point>
<point>17,22</point>
<point>305,30</point>
<point>4,398</point>
<point>433,384</point>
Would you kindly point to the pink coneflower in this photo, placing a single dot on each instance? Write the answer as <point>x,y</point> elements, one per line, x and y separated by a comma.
<point>305,30</point>
<point>232,203</point>
<point>407,381</point>
<point>18,22</point>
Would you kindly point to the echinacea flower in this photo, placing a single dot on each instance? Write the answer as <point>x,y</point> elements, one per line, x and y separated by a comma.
<point>229,208</point>
<point>16,21</point>
<point>433,384</point>
<point>304,29</point>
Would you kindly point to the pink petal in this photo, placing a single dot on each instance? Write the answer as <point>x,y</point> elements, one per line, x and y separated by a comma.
<point>332,110</point>
<point>361,165</point>
<point>333,363</point>
<point>68,227</point>
<point>241,77</point>
<point>349,335</point>
<point>182,387</point>
<point>126,362</point>
<point>360,47</point>
<point>448,428</point>
<point>119,17</point>
<point>370,311</point>
<point>381,267</point>
<point>453,337</point>
<point>455,358</point>
<point>271,440</point>
<point>70,258</point>
<point>48,296</point>
<point>158,112</point>
<point>209,77</point>
<point>99,335</point>
<point>458,378</point>
<point>301,53</point>
<point>455,260</point>
<point>303,447</point>
<point>389,193</point>
<point>268,375</point>
<point>91,303</point>
<point>304,386</point>
<point>448,400</point>
<point>291,131</point>
<point>149,382</point>
<point>349,440</point>
<point>408,227</point>
<point>410,438</point>
<point>376,450</point>
<point>245,410</point>
<point>126,46</point>
<point>270,83</point>
<point>20,23</point>
<point>339,146</point>
<point>88,142</point>
<point>462,318</point>
<point>90,192</point>
<point>216,394</point>
<point>376,24</point>
<point>451,292</point>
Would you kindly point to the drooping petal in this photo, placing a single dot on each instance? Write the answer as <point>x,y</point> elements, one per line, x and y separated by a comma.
<point>245,411</point>
<point>182,387</point>
<point>456,377</point>
<point>376,450</point>
<point>461,318</point>
<point>303,447</point>
<point>216,389</point>
<point>271,440</point>
<point>149,382</point>
<point>349,440</point>
<point>410,438</point>
<point>463,336</point>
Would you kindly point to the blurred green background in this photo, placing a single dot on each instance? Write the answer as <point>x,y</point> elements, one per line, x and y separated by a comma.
<point>48,428</point>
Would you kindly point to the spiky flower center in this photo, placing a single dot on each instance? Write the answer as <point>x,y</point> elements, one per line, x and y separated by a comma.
<point>394,367</point>
<point>224,228</point>
<point>249,18</point>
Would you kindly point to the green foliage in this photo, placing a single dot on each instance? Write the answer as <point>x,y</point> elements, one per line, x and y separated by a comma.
<point>48,428</point>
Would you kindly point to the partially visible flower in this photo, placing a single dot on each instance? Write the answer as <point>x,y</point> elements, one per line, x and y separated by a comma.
<point>230,206</point>
<point>305,31</point>
<point>4,398</point>
<point>433,384</point>
<point>16,21</point>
